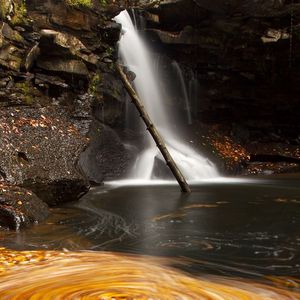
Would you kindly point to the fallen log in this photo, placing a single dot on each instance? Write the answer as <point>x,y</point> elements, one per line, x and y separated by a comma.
<point>154,132</point>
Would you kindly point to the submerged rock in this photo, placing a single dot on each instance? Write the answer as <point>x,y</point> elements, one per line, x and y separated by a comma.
<point>20,207</point>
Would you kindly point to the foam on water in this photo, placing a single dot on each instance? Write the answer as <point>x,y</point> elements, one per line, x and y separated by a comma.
<point>214,180</point>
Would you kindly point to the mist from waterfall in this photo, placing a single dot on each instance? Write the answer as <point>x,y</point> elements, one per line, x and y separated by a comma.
<point>136,57</point>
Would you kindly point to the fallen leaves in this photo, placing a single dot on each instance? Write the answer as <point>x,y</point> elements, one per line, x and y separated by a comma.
<point>229,149</point>
<point>182,212</point>
<point>15,124</point>
<point>200,206</point>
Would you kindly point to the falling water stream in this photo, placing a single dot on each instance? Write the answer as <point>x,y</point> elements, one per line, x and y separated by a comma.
<point>136,57</point>
<point>184,91</point>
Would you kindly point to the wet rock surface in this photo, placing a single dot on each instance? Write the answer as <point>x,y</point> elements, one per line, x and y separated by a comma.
<point>240,62</point>
<point>236,156</point>
<point>20,207</point>
<point>40,147</point>
<point>106,158</point>
<point>56,71</point>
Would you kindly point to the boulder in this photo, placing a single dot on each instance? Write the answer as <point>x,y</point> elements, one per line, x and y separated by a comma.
<point>105,158</point>
<point>61,65</point>
<point>66,41</point>
<point>20,207</point>
<point>39,149</point>
<point>6,8</point>
<point>11,47</point>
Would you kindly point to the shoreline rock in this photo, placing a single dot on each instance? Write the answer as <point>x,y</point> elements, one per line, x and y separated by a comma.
<point>20,208</point>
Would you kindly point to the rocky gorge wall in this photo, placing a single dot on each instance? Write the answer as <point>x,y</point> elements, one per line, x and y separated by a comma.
<point>245,57</point>
<point>56,75</point>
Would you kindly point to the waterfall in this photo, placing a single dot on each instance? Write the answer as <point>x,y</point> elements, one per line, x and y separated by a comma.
<point>178,71</point>
<point>194,93</point>
<point>135,55</point>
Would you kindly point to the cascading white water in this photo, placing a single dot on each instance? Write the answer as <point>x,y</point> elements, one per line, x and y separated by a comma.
<point>134,54</point>
<point>184,91</point>
<point>193,89</point>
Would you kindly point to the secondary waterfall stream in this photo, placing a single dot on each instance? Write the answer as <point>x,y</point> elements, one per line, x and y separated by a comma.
<point>135,55</point>
<point>178,71</point>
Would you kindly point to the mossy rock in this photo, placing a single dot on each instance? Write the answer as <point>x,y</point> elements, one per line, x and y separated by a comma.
<point>95,84</point>
<point>27,92</point>
<point>84,3</point>
<point>78,3</point>
<point>20,16</point>
<point>4,8</point>
<point>14,11</point>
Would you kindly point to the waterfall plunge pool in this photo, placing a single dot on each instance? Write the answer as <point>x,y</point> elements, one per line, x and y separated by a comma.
<point>234,239</point>
<point>243,226</point>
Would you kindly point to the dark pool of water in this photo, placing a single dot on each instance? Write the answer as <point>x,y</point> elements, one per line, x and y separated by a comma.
<point>249,228</point>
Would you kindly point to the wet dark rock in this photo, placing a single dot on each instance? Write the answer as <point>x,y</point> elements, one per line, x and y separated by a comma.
<point>41,79</point>
<point>161,170</point>
<point>40,148</point>
<point>56,68</point>
<point>112,31</point>
<point>20,93</point>
<point>55,39</point>
<point>70,66</point>
<point>20,207</point>
<point>106,158</point>
<point>269,168</point>
<point>8,33</point>
<point>31,57</point>
<point>69,43</point>
<point>109,111</point>
<point>235,154</point>
<point>273,157</point>
<point>240,62</point>
<point>188,36</point>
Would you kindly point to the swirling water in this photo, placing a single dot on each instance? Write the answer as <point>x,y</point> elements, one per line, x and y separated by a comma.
<point>67,275</point>
<point>234,240</point>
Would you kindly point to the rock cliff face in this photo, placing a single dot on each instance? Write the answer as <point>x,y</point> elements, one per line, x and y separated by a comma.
<point>56,75</point>
<point>244,56</point>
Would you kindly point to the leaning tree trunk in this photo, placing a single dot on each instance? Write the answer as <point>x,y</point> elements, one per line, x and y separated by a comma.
<point>154,132</point>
